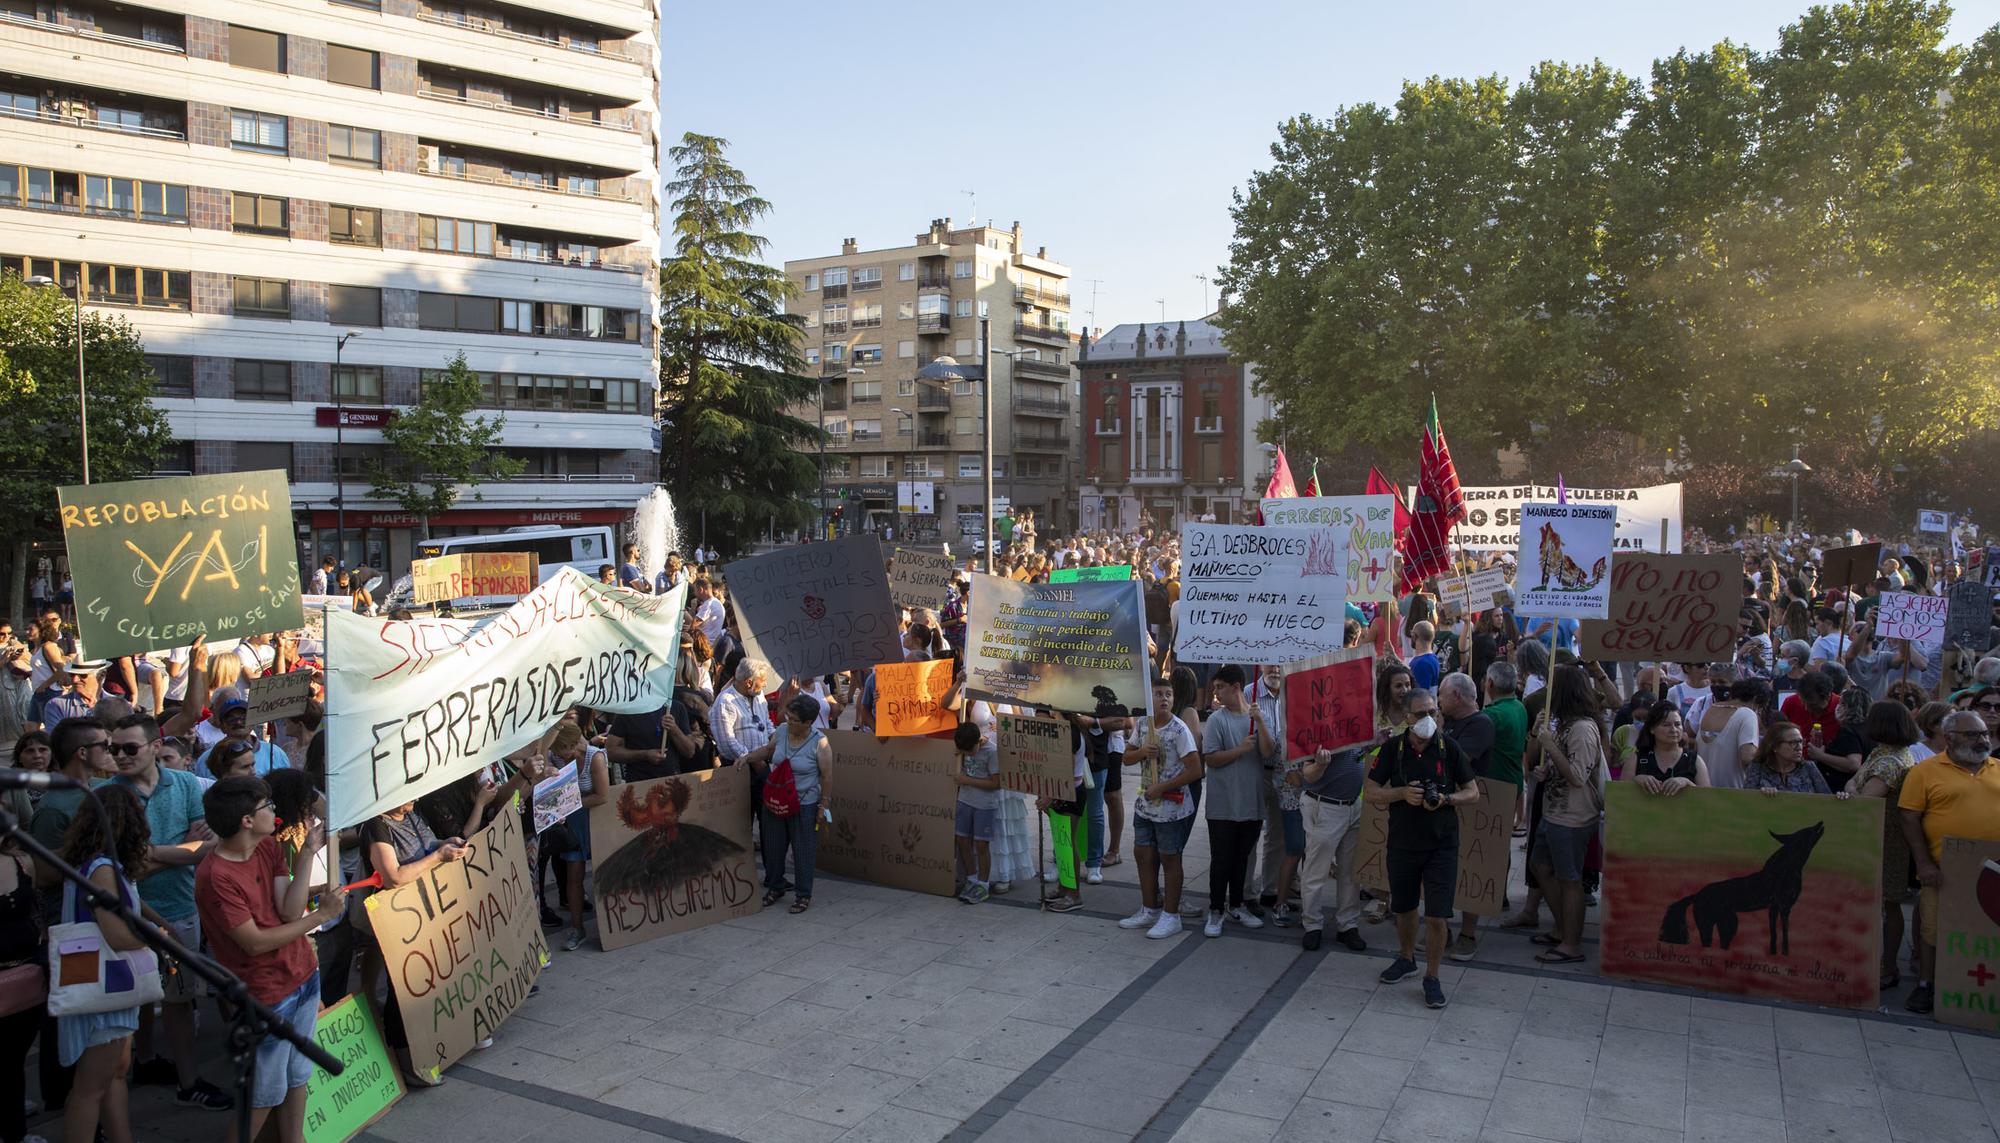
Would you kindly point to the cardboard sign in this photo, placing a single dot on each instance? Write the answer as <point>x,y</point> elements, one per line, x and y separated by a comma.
<point>1668,609</point>
<point>1918,618</point>
<point>1485,835</point>
<point>815,609</point>
<point>909,698</point>
<point>919,578</point>
<point>893,804</point>
<point>1493,515</point>
<point>1968,948</point>
<point>1069,647</point>
<point>1928,521</point>
<point>1035,757</point>
<point>1113,573</point>
<point>474,575</point>
<point>1850,567</point>
<point>272,697</point>
<point>1690,883</point>
<point>1329,702</point>
<point>1969,616</point>
<point>413,706</point>
<point>158,562</point>
<point>1367,527</point>
<point>1260,595</point>
<point>340,1107</point>
<point>673,854</point>
<point>1565,560</point>
<point>463,944</point>
<point>557,797</point>
<point>1991,569</point>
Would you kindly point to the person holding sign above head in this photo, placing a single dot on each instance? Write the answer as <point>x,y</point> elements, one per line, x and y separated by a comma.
<point>1422,777</point>
<point>1164,815</point>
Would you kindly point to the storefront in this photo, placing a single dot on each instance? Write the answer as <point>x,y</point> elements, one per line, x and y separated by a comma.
<point>384,541</point>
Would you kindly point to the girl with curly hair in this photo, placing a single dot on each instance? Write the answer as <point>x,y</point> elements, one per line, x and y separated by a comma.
<point>99,1044</point>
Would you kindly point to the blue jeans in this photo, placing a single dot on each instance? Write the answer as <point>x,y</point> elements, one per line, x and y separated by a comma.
<point>280,1066</point>
<point>798,833</point>
<point>1094,810</point>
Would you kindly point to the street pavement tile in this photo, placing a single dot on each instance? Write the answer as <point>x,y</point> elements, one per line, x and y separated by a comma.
<point>1705,1125</point>
<point>1807,1119</point>
<point>1380,1034</point>
<point>916,1051</point>
<point>1502,990</point>
<point>1821,1034</point>
<point>937,983</point>
<point>1915,1118</point>
<point>1212,1125</point>
<point>894,1124</point>
<point>848,1097</point>
<point>784,1127</point>
<point>812,1058</point>
<point>1896,1034</point>
<point>1459,1069</point>
<point>1981,1055</point>
<point>1733,1011</point>
<point>1740,1088</point>
<point>581,1039</point>
<point>606,1068</point>
<point>1187,1048</point>
<point>1098,1065</point>
<point>1619,1131</point>
<point>1360,1079</point>
<point>1014,1044</point>
<point>1909,1069</point>
<point>685,1030</point>
<point>1563,1018</point>
<point>1653,1011</point>
<point>882,1017</point>
<point>1549,1059</point>
<point>1587,992</point>
<point>1476,1027</point>
<point>1625,1046</point>
<point>1062,1005</point>
<point>1428,1116</point>
<point>1747,1043</point>
<point>1325,1121</point>
<point>1018,1126</point>
<point>1636,1097</point>
<point>852,987</point>
<point>1828,1079</point>
<point>786,1024</point>
<point>1116,1108</point>
<point>1266,1090</point>
<point>1300,1041</point>
<point>649,1097</point>
<point>956,1088</point>
<point>1540,1110</point>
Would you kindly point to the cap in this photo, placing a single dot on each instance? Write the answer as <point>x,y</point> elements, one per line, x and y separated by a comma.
<point>86,666</point>
<point>234,702</point>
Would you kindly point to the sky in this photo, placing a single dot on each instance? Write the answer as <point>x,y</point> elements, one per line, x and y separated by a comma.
<point>1114,131</point>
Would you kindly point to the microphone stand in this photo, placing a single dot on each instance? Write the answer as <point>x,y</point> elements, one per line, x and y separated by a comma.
<point>249,1020</point>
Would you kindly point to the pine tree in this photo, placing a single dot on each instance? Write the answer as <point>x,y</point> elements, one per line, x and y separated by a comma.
<point>438,446</point>
<point>730,366</point>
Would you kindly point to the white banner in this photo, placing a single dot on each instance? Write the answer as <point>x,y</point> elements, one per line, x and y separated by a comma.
<point>1565,561</point>
<point>918,496</point>
<point>1260,595</point>
<point>413,706</point>
<point>1918,618</point>
<point>1928,521</point>
<point>1367,527</point>
<point>1493,515</point>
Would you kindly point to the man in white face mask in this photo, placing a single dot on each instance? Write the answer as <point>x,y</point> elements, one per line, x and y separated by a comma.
<point>1422,777</point>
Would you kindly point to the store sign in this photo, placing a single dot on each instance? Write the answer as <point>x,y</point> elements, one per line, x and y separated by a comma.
<point>328,416</point>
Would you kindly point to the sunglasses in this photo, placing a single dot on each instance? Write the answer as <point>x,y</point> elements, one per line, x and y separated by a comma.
<point>128,749</point>
<point>238,748</point>
<point>1993,706</point>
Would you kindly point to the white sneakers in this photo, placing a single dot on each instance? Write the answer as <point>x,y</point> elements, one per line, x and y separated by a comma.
<point>1143,919</point>
<point>1214,926</point>
<point>1242,915</point>
<point>1094,875</point>
<point>1239,915</point>
<point>1168,925</point>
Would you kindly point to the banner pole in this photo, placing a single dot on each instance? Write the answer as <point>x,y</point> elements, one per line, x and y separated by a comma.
<point>1041,847</point>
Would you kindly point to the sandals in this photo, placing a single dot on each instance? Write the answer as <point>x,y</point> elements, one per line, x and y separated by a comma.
<point>1546,940</point>
<point>1111,859</point>
<point>800,905</point>
<point>1557,956</point>
<point>773,896</point>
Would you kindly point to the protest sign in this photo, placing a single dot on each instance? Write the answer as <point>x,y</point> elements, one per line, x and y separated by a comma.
<point>412,706</point>
<point>1918,618</point>
<point>1851,566</point>
<point>919,578</point>
<point>272,697</point>
<point>893,804</point>
<point>557,797</point>
<point>474,575</point>
<point>1484,588</point>
<point>1928,521</point>
<point>1113,573</point>
<point>1565,561</point>
<point>1969,619</point>
<point>462,944</point>
<point>340,1107</point>
<point>1329,702</point>
<point>1035,756</point>
<point>815,609</point>
<point>158,562</point>
<point>673,854</point>
<point>1968,932</point>
<point>1367,527</point>
<point>1070,647</point>
<point>1493,515</point>
<point>1668,609</point>
<point>1260,595</point>
<point>909,698</point>
<point>1991,568</point>
<point>1691,884</point>
<point>1485,835</point>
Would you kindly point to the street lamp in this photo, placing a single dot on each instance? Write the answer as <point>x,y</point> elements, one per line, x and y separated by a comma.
<point>339,455</point>
<point>82,401</point>
<point>1796,468</point>
<point>946,370</point>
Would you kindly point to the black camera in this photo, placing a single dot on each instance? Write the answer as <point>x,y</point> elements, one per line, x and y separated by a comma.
<point>1434,794</point>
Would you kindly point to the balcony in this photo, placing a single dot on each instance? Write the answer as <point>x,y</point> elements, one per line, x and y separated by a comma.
<point>875,284</point>
<point>1040,296</point>
<point>868,323</point>
<point>834,328</point>
<point>1104,428</point>
<point>508,104</point>
<point>836,438</point>
<point>1164,475</point>
<point>931,438</point>
<point>929,398</point>
<point>831,293</point>
<point>160,35</point>
<point>1041,332</point>
<point>439,168</point>
<point>495,27</point>
<point>82,113</point>
<point>1208,426</point>
<point>1035,367</point>
<point>834,402</point>
<point>933,323</point>
<point>1040,407</point>
<point>1041,442</point>
<point>933,281</point>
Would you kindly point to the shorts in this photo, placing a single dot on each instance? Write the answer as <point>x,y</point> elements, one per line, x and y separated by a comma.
<point>579,828</point>
<point>280,1066</point>
<point>1295,832</point>
<point>1431,874</point>
<point>1165,838</point>
<point>975,822</point>
<point>1568,848</point>
<point>182,986</point>
<point>1114,775</point>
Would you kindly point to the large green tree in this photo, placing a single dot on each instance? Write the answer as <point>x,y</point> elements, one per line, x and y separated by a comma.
<point>40,431</point>
<point>440,448</point>
<point>731,452</point>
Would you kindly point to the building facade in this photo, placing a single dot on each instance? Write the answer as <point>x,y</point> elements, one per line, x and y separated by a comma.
<point>908,455</point>
<point>1170,428</point>
<point>251,181</point>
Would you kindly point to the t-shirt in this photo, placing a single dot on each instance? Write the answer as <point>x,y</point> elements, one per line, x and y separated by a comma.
<point>409,839</point>
<point>50,823</point>
<point>1341,780</point>
<point>1441,763</point>
<point>709,613</point>
<point>1235,792</point>
<point>1474,735</point>
<point>232,892</point>
<point>1721,749</point>
<point>1425,671</point>
<point>174,805</point>
<point>983,762</point>
<point>1510,740</point>
<point>1828,720</point>
<point>630,576</point>
<point>642,732</point>
<point>1175,743</point>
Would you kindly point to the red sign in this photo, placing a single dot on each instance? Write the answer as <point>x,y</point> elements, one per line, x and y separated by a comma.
<point>327,416</point>
<point>1329,702</point>
<point>457,516</point>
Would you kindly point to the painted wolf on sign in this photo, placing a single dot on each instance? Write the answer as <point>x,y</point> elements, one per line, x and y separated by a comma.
<point>1773,889</point>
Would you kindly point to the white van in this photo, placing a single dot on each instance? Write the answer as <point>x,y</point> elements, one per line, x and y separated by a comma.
<point>586,549</point>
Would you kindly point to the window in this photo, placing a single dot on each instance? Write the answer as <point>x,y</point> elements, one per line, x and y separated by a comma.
<point>906,349</point>
<point>812,282</point>
<point>258,214</point>
<point>874,467</point>
<point>20,103</point>
<point>968,464</point>
<point>962,268</point>
<point>1107,456</point>
<point>868,278</point>
<point>812,357</point>
<point>836,354</point>
<point>985,271</point>
<point>1211,401</point>
<point>837,276</point>
<point>962,349</point>
<point>253,47</point>
<point>905,424</point>
<point>352,67</point>
<point>964,388</point>
<point>256,131</point>
<point>165,289</point>
<point>868,355</point>
<point>454,235</point>
<point>964,426</point>
<point>906,272</point>
<point>838,468</point>
<point>905,311</point>
<point>354,305</point>
<point>865,391</point>
<point>110,285</point>
<point>867,315</point>
<point>868,430</point>
<point>354,225</point>
<point>173,376</point>
<point>358,383</point>
<point>357,145</point>
<point>963,308</point>
<point>812,319</point>
<point>259,456</point>
<point>263,297</point>
<point>263,380</point>
<point>933,305</point>
<point>458,311</point>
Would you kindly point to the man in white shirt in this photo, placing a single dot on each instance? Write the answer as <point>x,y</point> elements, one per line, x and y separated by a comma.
<point>708,610</point>
<point>257,656</point>
<point>1831,643</point>
<point>740,720</point>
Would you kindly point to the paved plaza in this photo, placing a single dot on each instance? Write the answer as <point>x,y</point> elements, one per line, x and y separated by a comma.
<point>884,1016</point>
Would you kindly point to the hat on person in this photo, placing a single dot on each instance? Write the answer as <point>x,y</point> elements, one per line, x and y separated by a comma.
<point>231,701</point>
<point>86,666</point>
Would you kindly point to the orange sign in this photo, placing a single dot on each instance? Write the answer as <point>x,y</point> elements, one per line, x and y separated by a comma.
<point>909,698</point>
<point>472,574</point>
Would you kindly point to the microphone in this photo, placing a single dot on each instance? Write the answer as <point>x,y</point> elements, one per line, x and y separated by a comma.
<point>12,779</point>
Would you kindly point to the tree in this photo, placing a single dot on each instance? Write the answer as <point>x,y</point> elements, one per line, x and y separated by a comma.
<point>440,448</point>
<point>40,430</point>
<point>730,363</point>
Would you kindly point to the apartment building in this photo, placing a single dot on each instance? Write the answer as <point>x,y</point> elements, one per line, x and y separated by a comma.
<point>909,454</point>
<point>253,181</point>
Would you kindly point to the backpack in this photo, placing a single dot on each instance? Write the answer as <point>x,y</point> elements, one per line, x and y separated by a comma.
<point>781,791</point>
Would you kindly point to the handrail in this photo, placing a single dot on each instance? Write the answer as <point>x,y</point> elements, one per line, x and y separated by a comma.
<point>94,34</point>
<point>498,181</point>
<point>479,24</point>
<point>48,116</point>
<point>518,109</point>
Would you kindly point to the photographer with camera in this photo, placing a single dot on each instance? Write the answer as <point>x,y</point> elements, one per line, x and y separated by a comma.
<point>1422,777</point>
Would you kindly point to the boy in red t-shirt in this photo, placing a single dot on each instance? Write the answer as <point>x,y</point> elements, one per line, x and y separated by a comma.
<point>266,944</point>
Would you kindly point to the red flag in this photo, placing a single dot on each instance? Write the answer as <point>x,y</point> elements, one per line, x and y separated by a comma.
<point>1379,485</point>
<point>1281,480</point>
<point>1440,504</point>
<point>1312,482</point>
